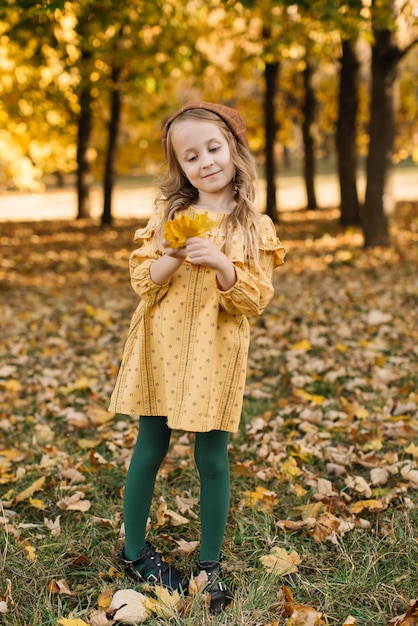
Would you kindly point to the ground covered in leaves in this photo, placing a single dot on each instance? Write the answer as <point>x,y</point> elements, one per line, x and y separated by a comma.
<point>323,523</point>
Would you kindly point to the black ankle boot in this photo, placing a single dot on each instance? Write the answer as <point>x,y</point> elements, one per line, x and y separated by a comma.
<point>149,567</point>
<point>219,598</point>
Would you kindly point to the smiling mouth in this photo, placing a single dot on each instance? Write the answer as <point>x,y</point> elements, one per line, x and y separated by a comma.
<point>211,174</point>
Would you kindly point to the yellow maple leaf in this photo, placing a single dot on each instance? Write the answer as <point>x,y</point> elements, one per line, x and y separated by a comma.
<point>280,562</point>
<point>166,604</point>
<point>38,504</point>
<point>261,498</point>
<point>290,468</point>
<point>178,230</point>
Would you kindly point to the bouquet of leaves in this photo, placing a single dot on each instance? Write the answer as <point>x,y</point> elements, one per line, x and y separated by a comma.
<point>178,230</point>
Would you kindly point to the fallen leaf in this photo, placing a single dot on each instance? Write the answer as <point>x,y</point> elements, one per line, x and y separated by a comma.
<point>53,527</point>
<point>185,547</point>
<point>280,562</point>
<point>197,584</point>
<point>74,503</point>
<point>105,598</point>
<point>99,618</point>
<point>167,516</point>
<point>412,449</point>
<point>374,506</point>
<point>129,606</point>
<point>59,587</point>
<point>28,493</point>
<point>379,476</point>
<point>37,504</point>
<point>261,498</point>
<point>166,603</point>
<point>359,485</point>
<point>410,474</point>
<point>31,553</point>
<point>304,616</point>
<point>304,345</point>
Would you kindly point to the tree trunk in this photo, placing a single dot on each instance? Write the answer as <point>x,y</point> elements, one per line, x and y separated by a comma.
<point>83,166</point>
<point>346,134</point>
<point>109,178</point>
<point>270,126</point>
<point>308,110</point>
<point>385,60</point>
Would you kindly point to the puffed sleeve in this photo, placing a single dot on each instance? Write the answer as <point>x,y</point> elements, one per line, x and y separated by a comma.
<point>253,289</point>
<point>141,260</point>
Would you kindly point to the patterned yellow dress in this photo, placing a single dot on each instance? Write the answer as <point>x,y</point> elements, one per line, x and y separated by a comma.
<point>186,352</point>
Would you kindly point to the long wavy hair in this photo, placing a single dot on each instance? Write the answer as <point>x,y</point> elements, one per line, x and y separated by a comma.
<point>176,192</point>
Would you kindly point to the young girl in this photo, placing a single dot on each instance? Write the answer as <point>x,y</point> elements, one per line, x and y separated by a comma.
<point>184,363</point>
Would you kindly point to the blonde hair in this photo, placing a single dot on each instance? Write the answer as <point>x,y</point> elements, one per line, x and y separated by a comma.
<point>176,192</point>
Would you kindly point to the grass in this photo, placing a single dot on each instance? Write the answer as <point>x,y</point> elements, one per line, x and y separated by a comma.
<point>369,572</point>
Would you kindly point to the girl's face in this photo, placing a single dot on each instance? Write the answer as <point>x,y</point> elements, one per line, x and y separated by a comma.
<point>203,155</point>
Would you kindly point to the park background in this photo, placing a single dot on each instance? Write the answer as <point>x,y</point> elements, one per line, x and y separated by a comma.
<point>323,524</point>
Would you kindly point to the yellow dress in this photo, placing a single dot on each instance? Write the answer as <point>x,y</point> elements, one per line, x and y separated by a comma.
<point>186,353</point>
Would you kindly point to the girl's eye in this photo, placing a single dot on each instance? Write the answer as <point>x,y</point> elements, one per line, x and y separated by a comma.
<point>214,149</point>
<point>192,158</point>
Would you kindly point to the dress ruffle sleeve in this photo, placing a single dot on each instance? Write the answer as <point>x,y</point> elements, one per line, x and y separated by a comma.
<point>141,260</point>
<point>253,290</point>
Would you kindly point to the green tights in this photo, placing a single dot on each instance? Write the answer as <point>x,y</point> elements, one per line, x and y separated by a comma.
<point>211,456</point>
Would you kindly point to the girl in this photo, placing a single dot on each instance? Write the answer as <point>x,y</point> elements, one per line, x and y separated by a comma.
<point>184,363</point>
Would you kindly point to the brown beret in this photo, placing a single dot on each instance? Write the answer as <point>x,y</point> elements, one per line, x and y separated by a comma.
<point>231,117</point>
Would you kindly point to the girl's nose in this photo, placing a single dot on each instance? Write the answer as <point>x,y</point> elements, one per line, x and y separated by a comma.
<point>208,160</point>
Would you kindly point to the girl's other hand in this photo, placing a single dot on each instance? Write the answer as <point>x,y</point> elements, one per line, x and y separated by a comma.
<point>202,251</point>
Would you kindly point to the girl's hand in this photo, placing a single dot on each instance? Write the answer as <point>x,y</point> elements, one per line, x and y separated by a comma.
<point>202,251</point>
<point>175,253</point>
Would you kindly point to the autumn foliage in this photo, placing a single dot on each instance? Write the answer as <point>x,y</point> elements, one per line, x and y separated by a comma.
<point>178,230</point>
<point>323,521</point>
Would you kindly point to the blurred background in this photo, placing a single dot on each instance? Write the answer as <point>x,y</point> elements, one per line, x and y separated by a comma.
<point>329,92</point>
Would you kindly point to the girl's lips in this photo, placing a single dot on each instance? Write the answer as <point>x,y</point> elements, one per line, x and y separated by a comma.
<point>211,174</point>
